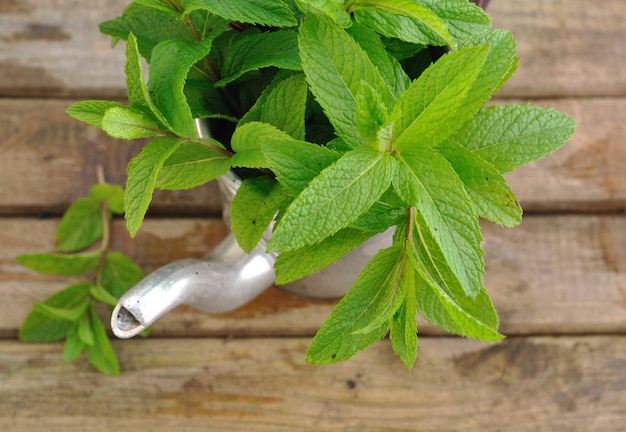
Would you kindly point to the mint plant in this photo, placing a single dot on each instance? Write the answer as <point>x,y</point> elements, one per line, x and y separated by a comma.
<point>70,314</point>
<point>345,119</point>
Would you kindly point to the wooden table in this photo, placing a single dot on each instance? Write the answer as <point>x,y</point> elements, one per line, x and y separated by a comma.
<point>558,280</point>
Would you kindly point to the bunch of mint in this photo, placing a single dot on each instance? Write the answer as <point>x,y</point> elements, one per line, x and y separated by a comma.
<point>345,118</point>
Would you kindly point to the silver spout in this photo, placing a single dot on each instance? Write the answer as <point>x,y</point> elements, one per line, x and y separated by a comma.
<point>225,280</point>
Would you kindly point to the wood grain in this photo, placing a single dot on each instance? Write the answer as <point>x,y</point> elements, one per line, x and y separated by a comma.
<point>573,384</point>
<point>551,275</point>
<point>567,48</point>
<point>49,160</point>
<point>43,144</point>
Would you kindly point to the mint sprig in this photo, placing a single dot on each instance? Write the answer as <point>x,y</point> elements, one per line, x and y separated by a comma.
<point>69,314</point>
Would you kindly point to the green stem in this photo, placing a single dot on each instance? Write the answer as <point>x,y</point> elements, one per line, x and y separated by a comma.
<point>105,245</point>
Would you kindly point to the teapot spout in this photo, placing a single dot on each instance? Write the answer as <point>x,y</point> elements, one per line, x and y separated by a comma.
<point>223,281</point>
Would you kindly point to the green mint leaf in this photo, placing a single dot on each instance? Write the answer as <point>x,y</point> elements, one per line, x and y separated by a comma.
<point>428,257</point>
<point>119,274</point>
<point>80,226</point>
<point>330,8</point>
<point>334,199</point>
<point>167,81</point>
<point>426,181</point>
<point>516,134</point>
<point>247,141</point>
<point>491,195</point>
<point>66,265</point>
<point>499,66</point>
<point>137,92</point>
<point>192,165</point>
<point>149,25</point>
<point>129,124</point>
<point>68,314</point>
<point>253,209</point>
<point>371,114</point>
<point>335,65</point>
<point>73,346</point>
<point>112,194</point>
<point>278,49</point>
<point>337,339</point>
<point>430,110</point>
<point>159,5</point>
<point>101,354</point>
<point>101,294</point>
<point>293,265</point>
<point>142,176</point>
<point>390,69</point>
<point>86,331</point>
<point>283,105</point>
<point>91,112</point>
<point>272,13</point>
<point>296,163</point>
<point>403,327</point>
<point>205,100</point>
<point>376,14</point>
<point>463,19</point>
<point>379,217</point>
<point>41,328</point>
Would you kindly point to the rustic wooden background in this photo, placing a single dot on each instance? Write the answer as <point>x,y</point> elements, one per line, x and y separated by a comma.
<point>558,280</point>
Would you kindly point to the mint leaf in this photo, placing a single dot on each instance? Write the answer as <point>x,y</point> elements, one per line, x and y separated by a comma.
<point>41,328</point>
<point>390,69</point>
<point>129,124</point>
<point>426,181</point>
<point>137,92</point>
<point>336,340</point>
<point>492,197</point>
<point>516,134</point>
<point>68,314</point>
<point>283,105</point>
<point>376,14</point>
<point>119,274</point>
<point>167,81</point>
<point>296,163</point>
<point>80,226</point>
<point>371,115</point>
<point>335,65</point>
<point>142,176</point>
<point>101,294</point>
<point>403,327</point>
<point>379,217</point>
<point>191,165</point>
<point>101,353</point>
<point>278,49</point>
<point>430,260</point>
<point>273,13</point>
<point>330,8</point>
<point>463,18</point>
<point>91,112</point>
<point>73,346</point>
<point>66,265</point>
<point>499,66</point>
<point>293,265</point>
<point>149,25</point>
<point>112,194</point>
<point>247,141</point>
<point>86,331</point>
<point>430,110</point>
<point>334,199</point>
<point>253,209</point>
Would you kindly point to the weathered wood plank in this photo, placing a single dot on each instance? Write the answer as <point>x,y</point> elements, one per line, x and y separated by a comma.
<point>567,47</point>
<point>50,159</point>
<point>523,384</point>
<point>551,275</point>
